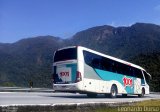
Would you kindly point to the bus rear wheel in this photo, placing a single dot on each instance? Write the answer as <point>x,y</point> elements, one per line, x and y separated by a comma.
<point>113,93</point>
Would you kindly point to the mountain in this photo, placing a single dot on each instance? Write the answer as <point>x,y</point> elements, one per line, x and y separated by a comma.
<point>31,58</point>
<point>28,59</point>
<point>122,42</point>
<point>151,62</point>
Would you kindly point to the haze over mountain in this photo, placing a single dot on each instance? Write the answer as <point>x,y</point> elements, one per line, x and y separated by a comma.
<point>31,58</point>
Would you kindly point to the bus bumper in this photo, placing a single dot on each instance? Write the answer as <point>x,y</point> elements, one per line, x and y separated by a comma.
<point>66,87</point>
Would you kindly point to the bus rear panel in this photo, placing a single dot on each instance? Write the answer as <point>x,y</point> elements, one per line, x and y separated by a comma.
<point>65,70</point>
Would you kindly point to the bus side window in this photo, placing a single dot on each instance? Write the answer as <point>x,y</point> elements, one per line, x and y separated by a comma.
<point>95,63</point>
<point>120,68</point>
<point>105,64</point>
<point>115,67</point>
<point>93,60</point>
<point>109,66</point>
<point>87,58</point>
<point>125,69</point>
<point>138,73</point>
<point>133,72</point>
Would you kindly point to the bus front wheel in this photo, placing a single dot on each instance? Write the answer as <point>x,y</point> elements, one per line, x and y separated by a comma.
<point>113,93</point>
<point>142,94</point>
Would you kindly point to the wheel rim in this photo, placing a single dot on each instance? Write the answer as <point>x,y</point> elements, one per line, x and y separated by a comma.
<point>113,93</point>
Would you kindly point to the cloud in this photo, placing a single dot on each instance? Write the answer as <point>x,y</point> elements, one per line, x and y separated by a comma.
<point>116,24</point>
<point>113,23</point>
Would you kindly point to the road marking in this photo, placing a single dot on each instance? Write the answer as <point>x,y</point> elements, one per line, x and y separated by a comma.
<point>5,92</point>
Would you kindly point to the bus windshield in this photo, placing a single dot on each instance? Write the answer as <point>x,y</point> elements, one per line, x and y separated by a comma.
<point>65,54</point>
<point>147,77</point>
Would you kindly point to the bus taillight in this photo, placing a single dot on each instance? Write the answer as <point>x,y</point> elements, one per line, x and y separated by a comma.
<point>78,76</point>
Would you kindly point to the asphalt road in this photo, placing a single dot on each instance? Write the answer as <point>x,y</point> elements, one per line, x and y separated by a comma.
<point>41,98</point>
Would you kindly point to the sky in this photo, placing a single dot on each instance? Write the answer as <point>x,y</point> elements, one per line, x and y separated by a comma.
<point>63,18</point>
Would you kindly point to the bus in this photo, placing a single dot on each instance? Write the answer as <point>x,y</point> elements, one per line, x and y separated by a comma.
<point>82,70</point>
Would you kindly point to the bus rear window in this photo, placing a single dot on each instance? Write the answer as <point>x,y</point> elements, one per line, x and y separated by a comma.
<point>65,54</point>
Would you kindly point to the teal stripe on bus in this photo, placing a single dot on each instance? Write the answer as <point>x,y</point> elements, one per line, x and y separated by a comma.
<point>73,70</point>
<point>108,76</point>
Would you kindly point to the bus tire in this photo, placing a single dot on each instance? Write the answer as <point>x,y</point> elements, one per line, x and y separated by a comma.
<point>91,95</point>
<point>107,95</point>
<point>124,95</point>
<point>142,94</point>
<point>113,93</point>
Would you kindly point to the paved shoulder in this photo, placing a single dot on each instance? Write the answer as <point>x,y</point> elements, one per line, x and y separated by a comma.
<point>36,98</point>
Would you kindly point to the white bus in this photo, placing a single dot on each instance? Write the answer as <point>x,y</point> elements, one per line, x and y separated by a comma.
<point>82,70</point>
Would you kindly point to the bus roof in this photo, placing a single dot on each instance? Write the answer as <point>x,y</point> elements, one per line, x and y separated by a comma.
<point>67,47</point>
<point>104,55</point>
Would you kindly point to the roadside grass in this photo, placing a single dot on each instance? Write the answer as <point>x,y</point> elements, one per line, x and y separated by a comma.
<point>144,106</point>
<point>107,109</point>
<point>152,102</point>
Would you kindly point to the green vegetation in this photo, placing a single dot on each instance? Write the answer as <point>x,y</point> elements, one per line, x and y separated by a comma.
<point>151,63</point>
<point>28,59</point>
<point>148,103</point>
<point>144,106</point>
<point>107,109</point>
<point>8,84</point>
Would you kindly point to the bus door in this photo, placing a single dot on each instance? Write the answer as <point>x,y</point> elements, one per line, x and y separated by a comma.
<point>138,81</point>
<point>128,80</point>
<point>147,80</point>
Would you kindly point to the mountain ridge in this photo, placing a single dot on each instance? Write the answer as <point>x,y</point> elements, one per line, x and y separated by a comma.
<point>31,58</point>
